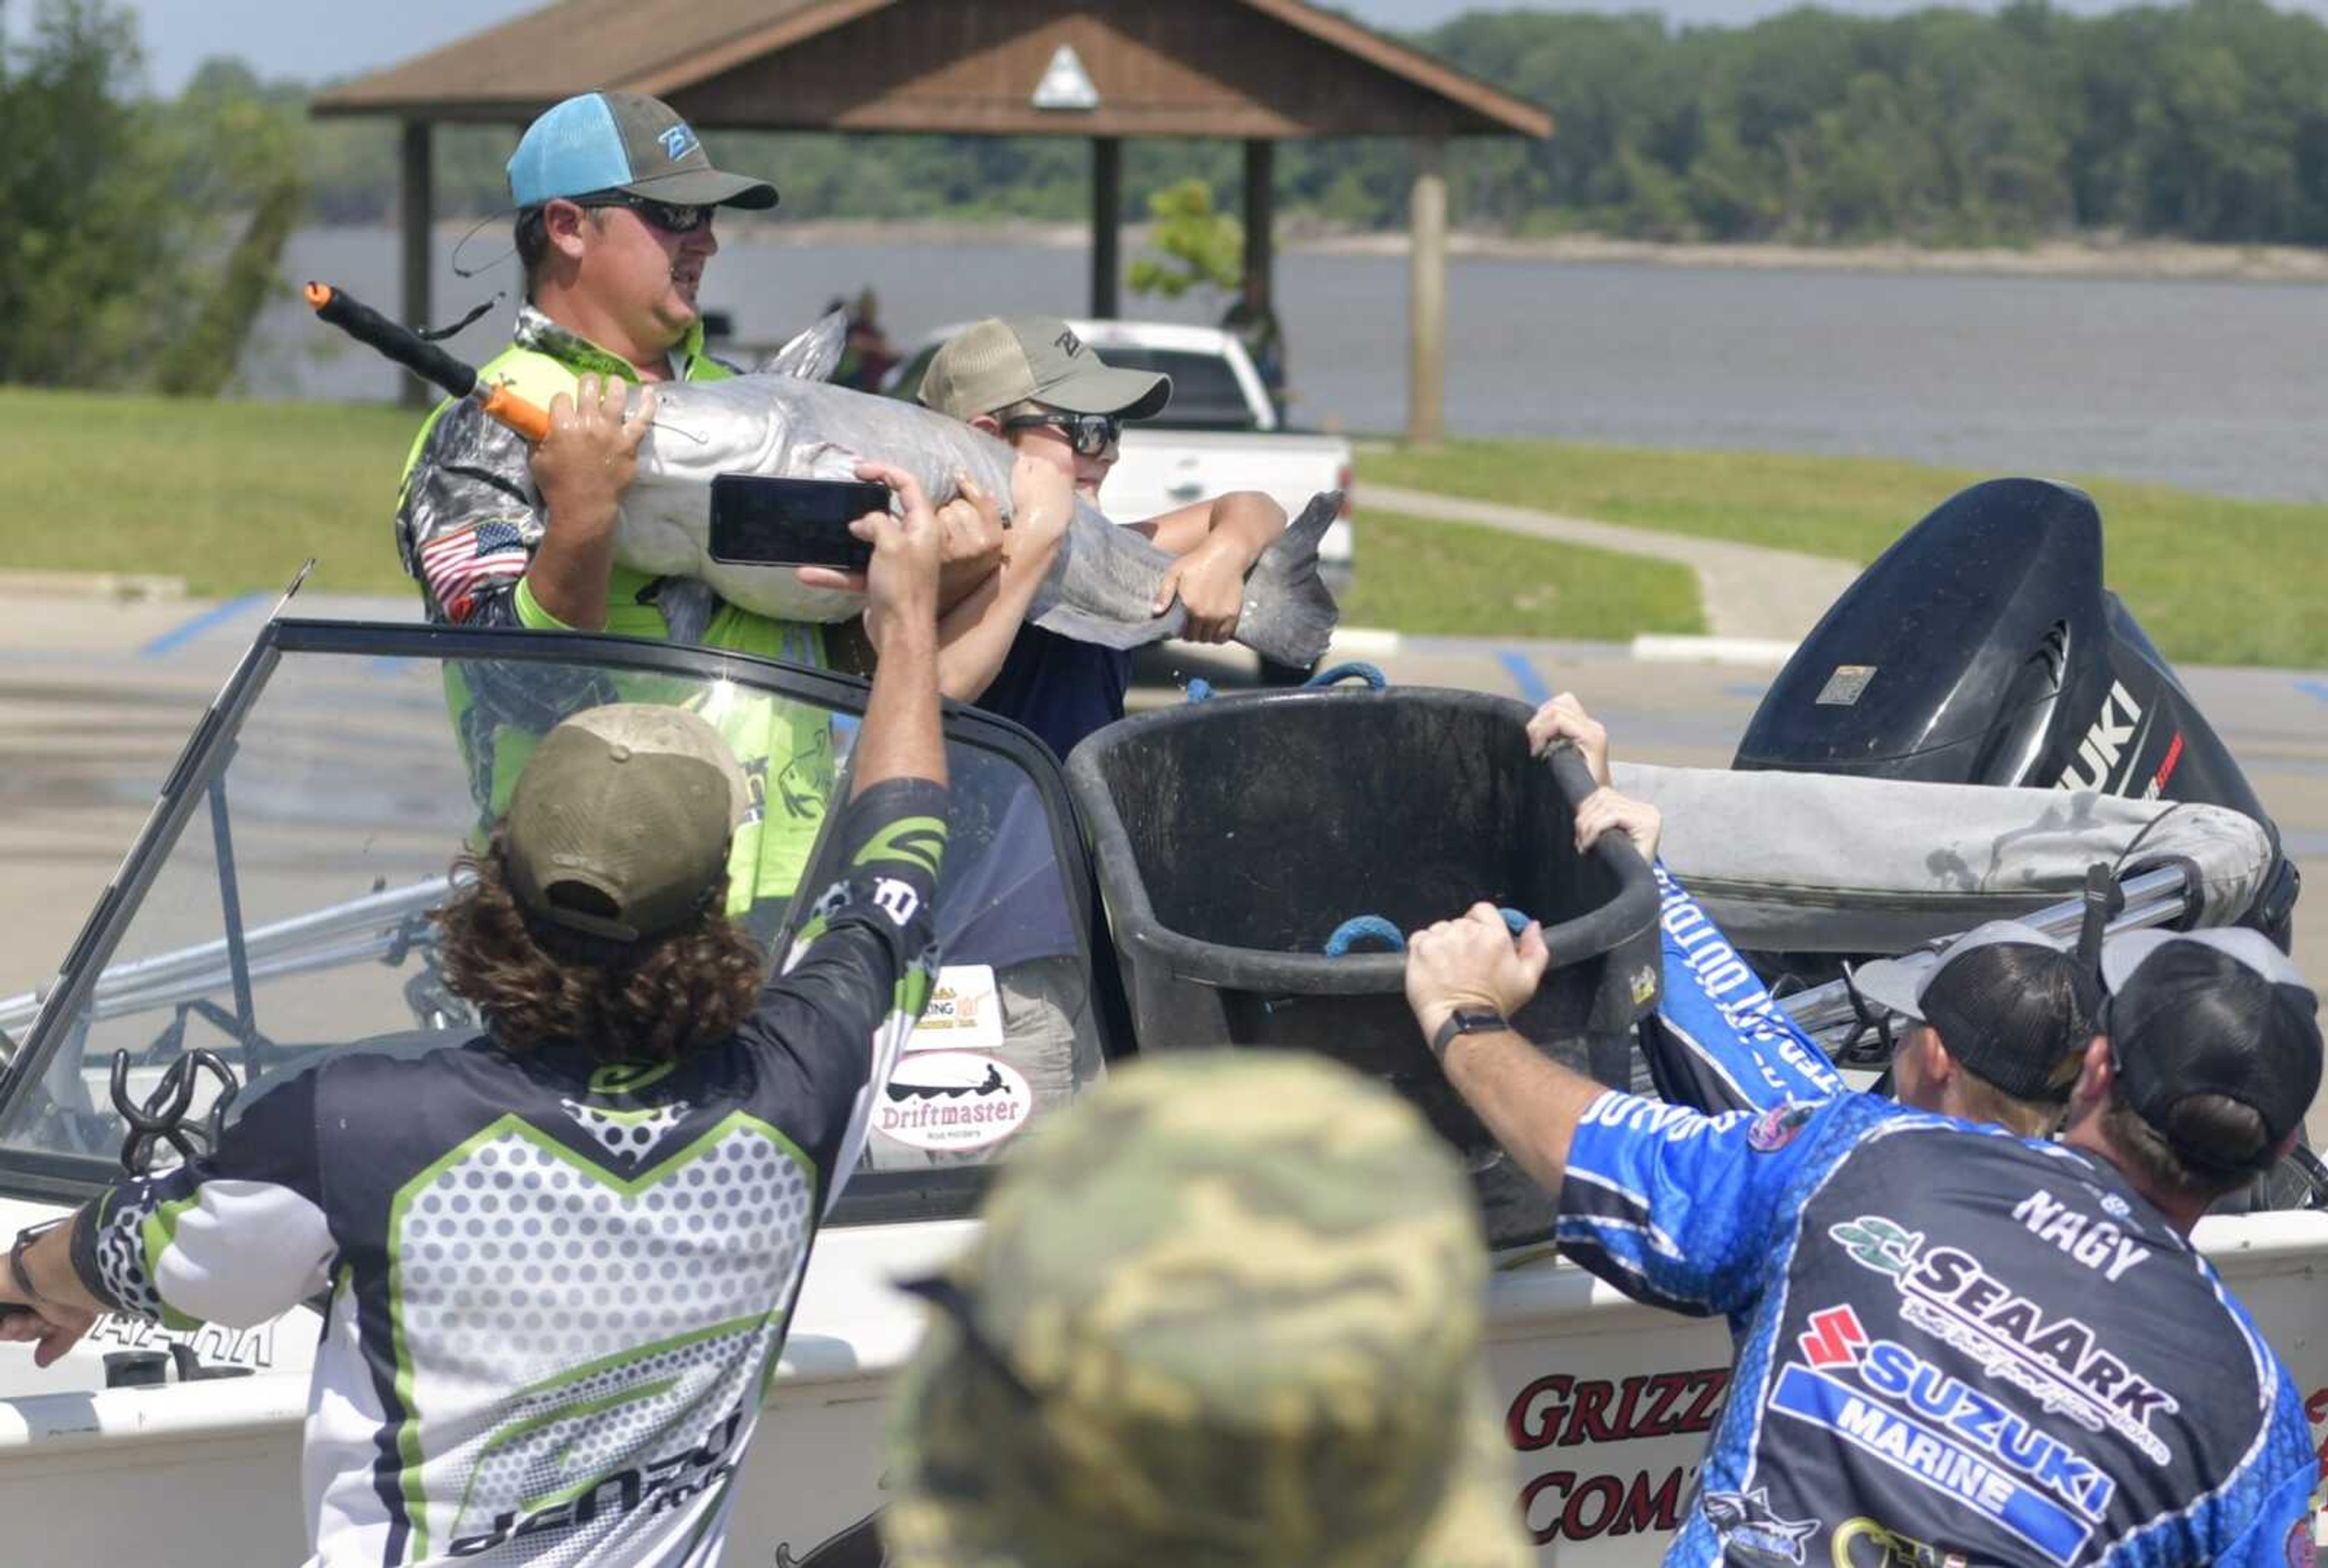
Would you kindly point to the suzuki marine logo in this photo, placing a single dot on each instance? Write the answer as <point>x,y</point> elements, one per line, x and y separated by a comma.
<point>2096,762</point>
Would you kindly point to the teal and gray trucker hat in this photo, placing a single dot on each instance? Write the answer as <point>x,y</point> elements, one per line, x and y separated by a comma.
<point>623,141</point>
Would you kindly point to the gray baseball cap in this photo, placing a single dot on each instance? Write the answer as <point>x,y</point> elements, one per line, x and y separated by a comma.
<point>995,363</point>
<point>2008,1002</point>
<point>620,823</point>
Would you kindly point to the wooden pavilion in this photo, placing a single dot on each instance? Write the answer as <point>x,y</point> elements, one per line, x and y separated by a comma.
<point>1259,70</point>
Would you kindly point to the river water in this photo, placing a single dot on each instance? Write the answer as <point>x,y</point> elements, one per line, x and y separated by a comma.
<point>2213,385</point>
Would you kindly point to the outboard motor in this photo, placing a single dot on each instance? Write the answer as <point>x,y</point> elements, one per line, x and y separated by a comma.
<point>1981,648</point>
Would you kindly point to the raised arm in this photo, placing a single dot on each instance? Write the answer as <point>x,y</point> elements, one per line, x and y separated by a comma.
<point>1719,1041</point>
<point>900,738</point>
<point>582,468</point>
<point>857,975</point>
<point>975,636</point>
<point>1216,542</point>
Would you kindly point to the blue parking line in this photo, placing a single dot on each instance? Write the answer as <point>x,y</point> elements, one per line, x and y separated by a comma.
<point>1524,676</point>
<point>2313,689</point>
<point>178,636</point>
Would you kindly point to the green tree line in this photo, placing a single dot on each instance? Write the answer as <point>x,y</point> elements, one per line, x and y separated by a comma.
<point>137,239</point>
<point>141,233</point>
<point>2204,121</point>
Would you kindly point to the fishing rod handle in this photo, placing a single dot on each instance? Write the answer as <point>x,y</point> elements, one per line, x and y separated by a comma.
<point>424,359</point>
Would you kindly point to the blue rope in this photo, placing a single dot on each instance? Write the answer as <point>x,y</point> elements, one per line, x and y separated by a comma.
<point>1201,690</point>
<point>1354,671</point>
<point>1359,928</point>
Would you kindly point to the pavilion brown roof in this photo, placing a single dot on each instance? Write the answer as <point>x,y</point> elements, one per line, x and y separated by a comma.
<point>1268,69</point>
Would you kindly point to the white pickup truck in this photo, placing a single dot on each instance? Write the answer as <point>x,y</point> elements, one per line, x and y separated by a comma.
<point>1220,433</point>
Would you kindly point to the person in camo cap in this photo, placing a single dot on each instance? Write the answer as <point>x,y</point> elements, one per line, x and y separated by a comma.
<point>1227,1311</point>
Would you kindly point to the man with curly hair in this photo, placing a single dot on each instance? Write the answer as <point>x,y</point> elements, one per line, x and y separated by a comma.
<point>558,1262</point>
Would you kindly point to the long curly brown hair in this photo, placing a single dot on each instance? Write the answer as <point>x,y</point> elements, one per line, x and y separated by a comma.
<point>534,982</point>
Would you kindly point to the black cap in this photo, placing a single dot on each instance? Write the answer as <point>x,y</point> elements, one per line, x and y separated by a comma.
<point>2212,1012</point>
<point>2010,1005</point>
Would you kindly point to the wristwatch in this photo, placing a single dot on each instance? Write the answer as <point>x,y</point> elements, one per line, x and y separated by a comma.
<point>1466,1020</point>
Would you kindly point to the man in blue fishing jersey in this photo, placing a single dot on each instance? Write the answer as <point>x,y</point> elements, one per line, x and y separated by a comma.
<point>1994,1034</point>
<point>2002,1349</point>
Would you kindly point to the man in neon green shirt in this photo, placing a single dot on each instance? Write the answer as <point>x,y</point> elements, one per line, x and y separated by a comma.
<point>616,197</point>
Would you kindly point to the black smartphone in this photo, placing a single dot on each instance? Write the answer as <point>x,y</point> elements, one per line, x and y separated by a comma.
<point>757,521</point>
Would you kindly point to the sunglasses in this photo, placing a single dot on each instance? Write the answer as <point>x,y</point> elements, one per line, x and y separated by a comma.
<point>1091,435</point>
<point>669,217</point>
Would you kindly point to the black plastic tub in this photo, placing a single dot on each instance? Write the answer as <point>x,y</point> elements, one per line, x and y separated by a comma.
<point>1232,837</point>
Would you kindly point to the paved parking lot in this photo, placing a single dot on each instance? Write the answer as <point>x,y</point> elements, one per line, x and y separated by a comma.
<point>97,699</point>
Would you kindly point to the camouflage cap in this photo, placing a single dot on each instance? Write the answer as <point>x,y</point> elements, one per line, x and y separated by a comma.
<point>1226,1311</point>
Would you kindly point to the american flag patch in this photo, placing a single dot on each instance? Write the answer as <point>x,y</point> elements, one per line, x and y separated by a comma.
<point>457,564</point>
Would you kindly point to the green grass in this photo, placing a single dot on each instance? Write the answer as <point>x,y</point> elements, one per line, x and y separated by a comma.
<point>233,496</point>
<point>2213,580</point>
<point>230,496</point>
<point>1455,578</point>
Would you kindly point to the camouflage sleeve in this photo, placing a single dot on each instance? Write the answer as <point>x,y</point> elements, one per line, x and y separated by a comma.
<point>469,518</point>
<point>832,1024</point>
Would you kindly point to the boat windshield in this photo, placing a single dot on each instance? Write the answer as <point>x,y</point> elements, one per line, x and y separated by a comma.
<point>278,914</point>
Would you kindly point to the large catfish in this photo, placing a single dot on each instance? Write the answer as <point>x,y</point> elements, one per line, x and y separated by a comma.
<point>786,422</point>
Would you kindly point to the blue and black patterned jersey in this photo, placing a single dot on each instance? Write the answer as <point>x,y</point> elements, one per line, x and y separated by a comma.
<point>1720,1041</point>
<point>1956,1346</point>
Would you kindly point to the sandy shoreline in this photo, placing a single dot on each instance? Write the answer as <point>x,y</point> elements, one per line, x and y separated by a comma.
<point>2092,258</point>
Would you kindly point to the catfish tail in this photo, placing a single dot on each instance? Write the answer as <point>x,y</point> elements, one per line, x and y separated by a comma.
<point>1290,614</point>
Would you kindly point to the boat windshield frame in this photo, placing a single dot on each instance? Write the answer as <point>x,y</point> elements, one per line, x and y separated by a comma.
<point>872,1197</point>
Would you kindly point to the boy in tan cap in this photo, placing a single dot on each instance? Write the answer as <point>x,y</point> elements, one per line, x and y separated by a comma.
<point>1030,382</point>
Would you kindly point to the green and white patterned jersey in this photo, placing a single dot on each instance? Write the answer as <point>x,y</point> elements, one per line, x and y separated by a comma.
<point>557,1286</point>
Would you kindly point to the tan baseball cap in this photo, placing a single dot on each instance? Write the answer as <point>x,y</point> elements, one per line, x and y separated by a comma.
<point>619,824</point>
<point>995,363</point>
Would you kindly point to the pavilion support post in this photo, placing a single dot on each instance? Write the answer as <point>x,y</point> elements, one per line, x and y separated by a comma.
<point>416,211</point>
<point>1107,225</point>
<point>1260,215</point>
<point>1426,373</point>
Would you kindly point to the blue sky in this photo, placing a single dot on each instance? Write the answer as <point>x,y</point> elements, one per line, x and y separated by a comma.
<point>284,38</point>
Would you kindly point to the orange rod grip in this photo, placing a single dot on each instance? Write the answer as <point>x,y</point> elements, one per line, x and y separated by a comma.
<point>530,420</point>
